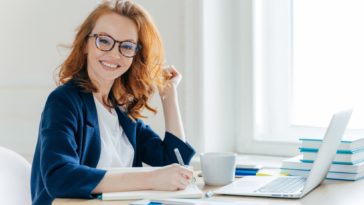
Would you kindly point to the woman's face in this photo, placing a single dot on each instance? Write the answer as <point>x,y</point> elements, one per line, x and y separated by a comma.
<point>104,67</point>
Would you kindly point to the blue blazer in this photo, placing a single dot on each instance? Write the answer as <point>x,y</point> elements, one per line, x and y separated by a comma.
<point>68,146</point>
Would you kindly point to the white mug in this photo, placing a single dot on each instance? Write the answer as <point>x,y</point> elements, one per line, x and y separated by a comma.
<point>218,168</point>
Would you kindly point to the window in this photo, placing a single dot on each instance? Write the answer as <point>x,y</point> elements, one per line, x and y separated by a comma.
<point>328,53</point>
<point>307,65</point>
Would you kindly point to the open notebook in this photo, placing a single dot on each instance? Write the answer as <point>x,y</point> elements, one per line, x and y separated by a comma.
<point>191,192</point>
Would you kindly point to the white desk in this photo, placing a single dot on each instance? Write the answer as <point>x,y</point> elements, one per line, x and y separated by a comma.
<point>329,193</point>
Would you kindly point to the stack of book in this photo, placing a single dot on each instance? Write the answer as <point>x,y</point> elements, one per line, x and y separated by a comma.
<point>348,163</point>
<point>246,170</point>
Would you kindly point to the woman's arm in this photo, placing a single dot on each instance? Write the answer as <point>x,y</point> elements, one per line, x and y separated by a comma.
<point>172,177</point>
<point>56,169</point>
<point>169,97</point>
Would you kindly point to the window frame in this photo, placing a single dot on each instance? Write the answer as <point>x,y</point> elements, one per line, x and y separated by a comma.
<point>260,136</point>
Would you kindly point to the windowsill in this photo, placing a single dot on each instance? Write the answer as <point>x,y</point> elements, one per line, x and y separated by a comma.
<point>266,162</point>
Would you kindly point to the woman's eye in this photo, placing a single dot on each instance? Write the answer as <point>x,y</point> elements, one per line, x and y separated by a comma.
<point>104,41</point>
<point>127,46</point>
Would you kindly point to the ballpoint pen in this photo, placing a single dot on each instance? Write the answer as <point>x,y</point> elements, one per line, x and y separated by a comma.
<point>180,162</point>
<point>179,157</point>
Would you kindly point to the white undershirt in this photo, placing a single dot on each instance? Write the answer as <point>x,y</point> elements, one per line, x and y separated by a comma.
<point>116,150</point>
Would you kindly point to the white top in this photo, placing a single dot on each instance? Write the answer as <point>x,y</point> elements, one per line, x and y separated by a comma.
<point>116,150</point>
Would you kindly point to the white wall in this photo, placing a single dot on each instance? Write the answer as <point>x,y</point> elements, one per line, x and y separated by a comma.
<point>29,34</point>
<point>219,72</point>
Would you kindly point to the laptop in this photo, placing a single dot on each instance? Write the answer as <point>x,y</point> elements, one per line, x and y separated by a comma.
<point>295,186</point>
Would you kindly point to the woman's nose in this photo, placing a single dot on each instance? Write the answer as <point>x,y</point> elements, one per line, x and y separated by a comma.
<point>115,52</point>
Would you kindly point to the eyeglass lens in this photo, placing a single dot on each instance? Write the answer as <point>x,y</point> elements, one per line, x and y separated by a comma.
<point>126,48</point>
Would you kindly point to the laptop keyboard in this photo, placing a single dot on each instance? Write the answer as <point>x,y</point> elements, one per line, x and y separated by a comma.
<point>283,185</point>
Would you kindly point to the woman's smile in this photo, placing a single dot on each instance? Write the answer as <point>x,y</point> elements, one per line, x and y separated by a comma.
<point>109,66</point>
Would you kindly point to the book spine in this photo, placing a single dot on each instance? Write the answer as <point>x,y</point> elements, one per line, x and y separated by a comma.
<point>351,158</point>
<point>333,168</point>
<point>330,175</point>
<point>317,143</point>
<point>245,172</point>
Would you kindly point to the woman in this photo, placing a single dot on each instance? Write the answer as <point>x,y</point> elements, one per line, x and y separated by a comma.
<point>92,120</point>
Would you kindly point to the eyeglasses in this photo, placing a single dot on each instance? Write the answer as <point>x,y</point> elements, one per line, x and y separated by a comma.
<point>105,42</point>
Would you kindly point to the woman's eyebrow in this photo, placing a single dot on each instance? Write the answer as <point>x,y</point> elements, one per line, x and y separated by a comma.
<point>129,40</point>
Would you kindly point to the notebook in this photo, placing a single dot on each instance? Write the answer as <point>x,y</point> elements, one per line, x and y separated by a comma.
<point>191,192</point>
<point>295,186</point>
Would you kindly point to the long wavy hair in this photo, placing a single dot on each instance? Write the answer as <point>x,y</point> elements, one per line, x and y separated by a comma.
<point>132,90</point>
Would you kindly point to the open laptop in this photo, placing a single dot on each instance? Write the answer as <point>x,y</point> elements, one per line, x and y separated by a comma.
<point>295,186</point>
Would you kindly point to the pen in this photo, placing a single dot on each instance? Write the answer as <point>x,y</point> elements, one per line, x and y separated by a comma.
<point>179,157</point>
<point>180,162</point>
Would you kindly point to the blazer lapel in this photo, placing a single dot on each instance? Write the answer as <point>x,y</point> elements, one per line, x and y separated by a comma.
<point>91,120</point>
<point>128,125</point>
<point>91,113</point>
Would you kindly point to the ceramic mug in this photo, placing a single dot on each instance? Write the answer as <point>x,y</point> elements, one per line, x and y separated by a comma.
<point>218,168</point>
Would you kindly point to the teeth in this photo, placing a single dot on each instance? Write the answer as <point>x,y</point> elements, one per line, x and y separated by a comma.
<point>109,65</point>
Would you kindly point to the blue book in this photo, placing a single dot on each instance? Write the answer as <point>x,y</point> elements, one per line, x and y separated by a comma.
<point>330,175</point>
<point>245,172</point>
<point>361,149</point>
<point>248,169</point>
<point>341,157</point>
<point>347,143</point>
<point>296,163</point>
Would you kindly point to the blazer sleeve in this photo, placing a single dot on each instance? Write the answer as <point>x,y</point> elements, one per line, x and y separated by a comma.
<point>60,167</point>
<point>158,152</point>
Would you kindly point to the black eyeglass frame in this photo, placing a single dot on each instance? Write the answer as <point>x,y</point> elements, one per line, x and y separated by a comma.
<point>96,35</point>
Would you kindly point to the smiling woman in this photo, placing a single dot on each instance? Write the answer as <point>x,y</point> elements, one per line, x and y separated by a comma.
<point>91,121</point>
<point>147,70</point>
<point>103,55</point>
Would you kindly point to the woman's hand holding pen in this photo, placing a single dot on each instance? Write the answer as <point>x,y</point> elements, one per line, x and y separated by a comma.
<point>170,178</point>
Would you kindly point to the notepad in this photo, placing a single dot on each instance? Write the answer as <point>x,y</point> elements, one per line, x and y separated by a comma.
<point>191,192</point>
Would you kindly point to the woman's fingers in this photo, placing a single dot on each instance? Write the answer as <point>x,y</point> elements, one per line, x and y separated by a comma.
<point>182,182</point>
<point>182,176</point>
<point>171,73</point>
<point>167,75</point>
<point>172,177</point>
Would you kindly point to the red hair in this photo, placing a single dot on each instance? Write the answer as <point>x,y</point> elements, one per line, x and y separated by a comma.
<point>132,90</point>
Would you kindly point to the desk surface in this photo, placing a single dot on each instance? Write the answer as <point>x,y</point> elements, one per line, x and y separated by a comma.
<point>330,192</point>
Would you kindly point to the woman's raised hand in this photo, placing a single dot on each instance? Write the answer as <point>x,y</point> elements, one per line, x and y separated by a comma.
<point>172,78</point>
<point>172,75</point>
